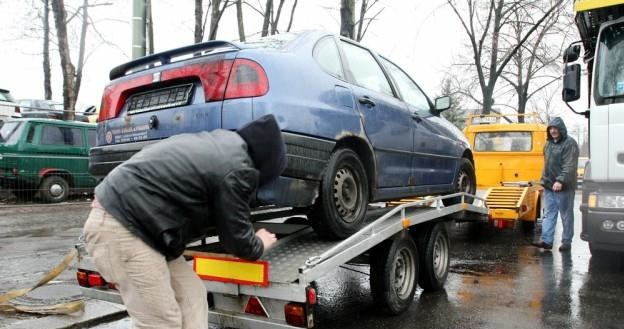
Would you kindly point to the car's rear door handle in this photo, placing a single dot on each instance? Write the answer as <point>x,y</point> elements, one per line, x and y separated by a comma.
<point>365,100</point>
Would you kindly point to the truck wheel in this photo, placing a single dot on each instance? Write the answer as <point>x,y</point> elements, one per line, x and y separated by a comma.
<point>394,274</point>
<point>434,246</point>
<point>341,207</point>
<point>465,181</point>
<point>54,189</point>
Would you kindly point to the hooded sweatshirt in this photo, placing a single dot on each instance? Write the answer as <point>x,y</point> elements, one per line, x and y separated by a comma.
<point>173,192</point>
<point>560,158</point>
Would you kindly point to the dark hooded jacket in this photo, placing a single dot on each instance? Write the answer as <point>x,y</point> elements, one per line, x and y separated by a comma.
<point>173,192</point>
<point>560,158</point>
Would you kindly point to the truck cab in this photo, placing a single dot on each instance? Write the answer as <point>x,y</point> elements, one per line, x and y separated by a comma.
<point>601,26</point>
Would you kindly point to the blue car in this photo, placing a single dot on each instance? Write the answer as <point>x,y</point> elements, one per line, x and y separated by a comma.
<point>357,128</point>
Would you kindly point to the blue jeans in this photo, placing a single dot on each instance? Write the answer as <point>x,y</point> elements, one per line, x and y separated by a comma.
<point>558,203</point>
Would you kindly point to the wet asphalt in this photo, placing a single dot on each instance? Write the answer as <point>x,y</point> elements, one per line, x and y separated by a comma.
<point>496,279</point>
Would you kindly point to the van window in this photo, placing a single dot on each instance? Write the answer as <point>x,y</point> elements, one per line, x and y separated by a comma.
<point>31,134</point>
<point>503,141</point>
<point>9,132</point>
<point>55,135</point>
<point>91,137</point>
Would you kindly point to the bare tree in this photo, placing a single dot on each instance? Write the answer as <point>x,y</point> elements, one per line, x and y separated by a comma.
<point>218,8</point>
<point>47,72</point>
<point>199,26</point>
<point>271,18</point>
<point>239,19</point>
<point>536,65</point>
<point>347,18</point>
<point>483,24</point>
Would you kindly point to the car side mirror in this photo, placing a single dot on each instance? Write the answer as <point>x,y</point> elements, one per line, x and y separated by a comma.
<point>571,83</point>
<point>442,103</point>
<point>572,53</point>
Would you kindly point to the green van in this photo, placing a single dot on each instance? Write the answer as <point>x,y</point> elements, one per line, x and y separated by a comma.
<point>47,157</point>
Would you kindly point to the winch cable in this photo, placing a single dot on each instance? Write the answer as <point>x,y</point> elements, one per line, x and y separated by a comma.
<point>60,308</point>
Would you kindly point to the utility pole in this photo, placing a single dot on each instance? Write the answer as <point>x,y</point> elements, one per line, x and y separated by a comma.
<point>138,28</point>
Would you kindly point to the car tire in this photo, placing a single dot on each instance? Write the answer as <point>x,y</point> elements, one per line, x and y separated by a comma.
<point>394,274</point>
<point>340,209</point>
<point>465,181</point>
<point>434,246</point>
<point>54,189</point>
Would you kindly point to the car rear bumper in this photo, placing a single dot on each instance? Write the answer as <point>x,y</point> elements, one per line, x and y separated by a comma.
<point>298,185</point>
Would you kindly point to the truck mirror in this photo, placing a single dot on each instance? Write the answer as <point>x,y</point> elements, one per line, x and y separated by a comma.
<point>572,53</point>
<point>571,83</point>
<point>442,103</point>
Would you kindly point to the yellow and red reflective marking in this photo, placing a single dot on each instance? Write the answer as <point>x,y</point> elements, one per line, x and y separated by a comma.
<point>232,270</point>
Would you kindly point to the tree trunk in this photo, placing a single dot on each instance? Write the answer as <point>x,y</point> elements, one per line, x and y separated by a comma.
<point>69,94</point>
<point>217,13</point>
<point>47,75</point>
<point>292,15</point>
<point>81,55</point>
<point>347,18</point>
<point>199,15</point>
<point>361,20</point>
<point>268,9</point>
<point>239,19</point>
<point>277,17</point>
<point>150,29</point>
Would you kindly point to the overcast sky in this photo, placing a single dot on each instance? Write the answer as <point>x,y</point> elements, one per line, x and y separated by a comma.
<point>421,36</point>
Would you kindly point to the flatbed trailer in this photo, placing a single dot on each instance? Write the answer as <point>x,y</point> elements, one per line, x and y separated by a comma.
<point>406,246</point>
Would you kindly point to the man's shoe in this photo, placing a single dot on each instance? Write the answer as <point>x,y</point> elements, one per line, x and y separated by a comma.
<point>542,245</point>
<point>565,247</point>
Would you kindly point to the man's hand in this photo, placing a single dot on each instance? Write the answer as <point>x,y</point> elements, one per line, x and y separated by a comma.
<point>268,239</point>
<point>557,187</point>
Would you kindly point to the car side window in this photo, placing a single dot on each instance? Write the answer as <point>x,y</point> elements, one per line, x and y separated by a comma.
<point>365,69</point>
<point>91,137</point>
<point>55,135</point>
<point>410,92</point>
<point>326,54</point>
<point>31,134</point>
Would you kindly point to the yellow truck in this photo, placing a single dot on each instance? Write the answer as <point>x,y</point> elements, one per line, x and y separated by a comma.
<point>509,159</point>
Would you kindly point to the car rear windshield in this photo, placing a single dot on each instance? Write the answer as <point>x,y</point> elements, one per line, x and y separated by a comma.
<point>503,141</point>
<point>9,132</point>
<point>277,41</point>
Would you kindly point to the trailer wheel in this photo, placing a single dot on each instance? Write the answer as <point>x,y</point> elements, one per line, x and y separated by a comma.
<point>434,248</point>
<point>54,189</point>
<point>466,181</point>
<point>341,207</point>
<point>394,274</point>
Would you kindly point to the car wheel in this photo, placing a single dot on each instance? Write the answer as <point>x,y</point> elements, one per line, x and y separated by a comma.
<point>464,182</point>
<point>54,189</point>
<point>341,206</point>
<point>434,246</point>
<point>394,274</point>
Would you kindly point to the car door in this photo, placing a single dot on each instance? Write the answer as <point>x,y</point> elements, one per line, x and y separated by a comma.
<point>434,160</point>
<point>386,121</point>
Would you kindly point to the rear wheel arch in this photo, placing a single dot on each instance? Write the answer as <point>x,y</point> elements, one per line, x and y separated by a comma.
<point>365,152</point>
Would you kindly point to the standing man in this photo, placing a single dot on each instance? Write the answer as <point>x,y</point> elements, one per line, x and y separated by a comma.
<point>559,180</point>
<point>172,193</point>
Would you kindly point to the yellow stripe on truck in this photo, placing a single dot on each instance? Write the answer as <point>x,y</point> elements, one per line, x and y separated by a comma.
<point>584,5</point>
<point>232,270</point>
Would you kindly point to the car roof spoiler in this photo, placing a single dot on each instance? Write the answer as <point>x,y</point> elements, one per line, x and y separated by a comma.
<point>163,58</point>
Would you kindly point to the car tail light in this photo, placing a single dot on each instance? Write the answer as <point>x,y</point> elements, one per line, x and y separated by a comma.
<point>96,280</point>
<point>247,79</point>
<point>255,307</point>
<point>295,314</point>
<point>82,278</point>
<point>311,295</point>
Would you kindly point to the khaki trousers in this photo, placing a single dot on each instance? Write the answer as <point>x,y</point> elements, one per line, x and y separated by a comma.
<point>157,293</point>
